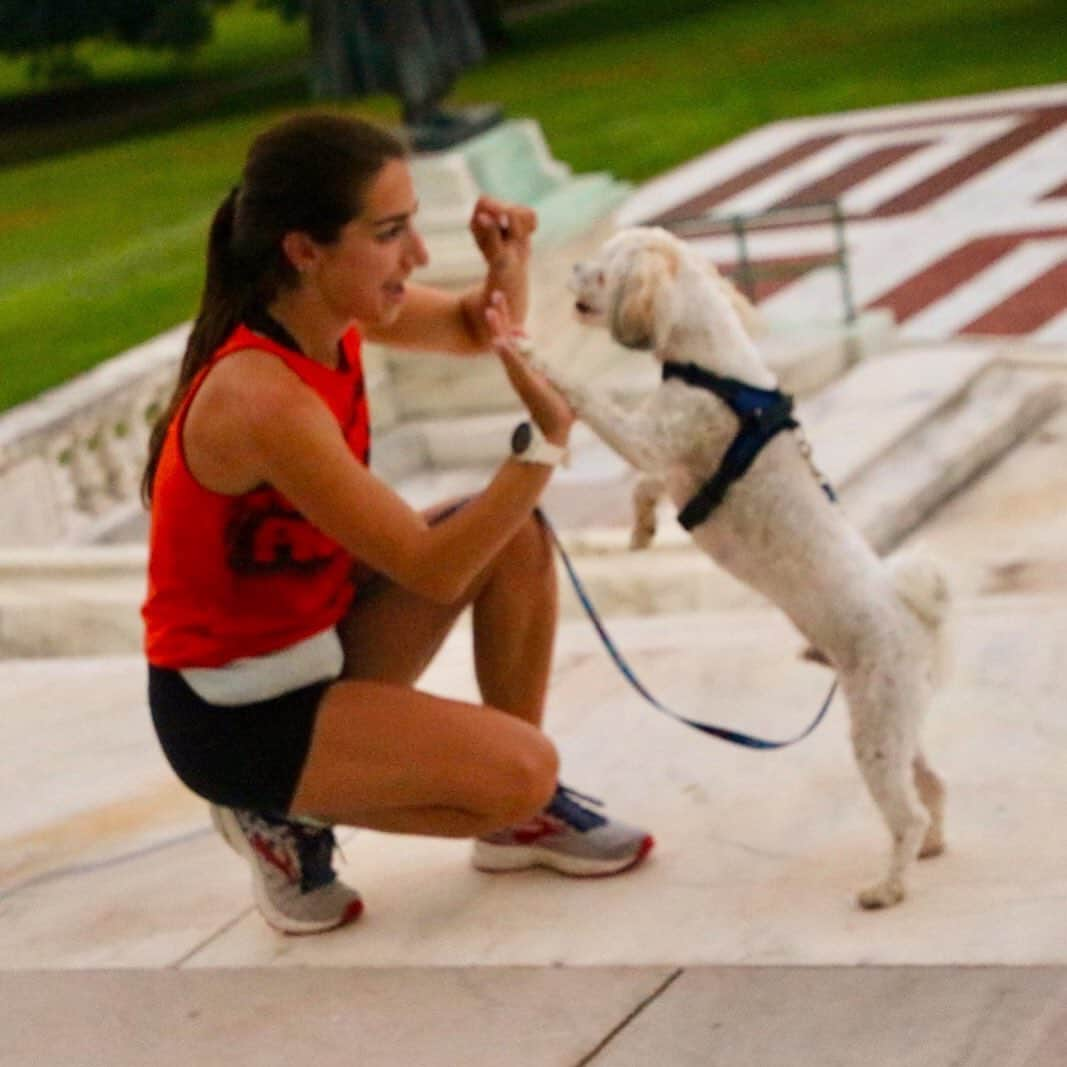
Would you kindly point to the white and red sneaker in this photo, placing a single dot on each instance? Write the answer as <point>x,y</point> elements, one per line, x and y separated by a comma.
<point>567,837</point>
<point>293,881</point>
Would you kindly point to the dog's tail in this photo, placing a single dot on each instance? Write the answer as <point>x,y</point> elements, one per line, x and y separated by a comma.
<point>922,586</point>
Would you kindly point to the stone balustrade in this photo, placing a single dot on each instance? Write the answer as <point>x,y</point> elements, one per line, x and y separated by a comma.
<point>71,460</point>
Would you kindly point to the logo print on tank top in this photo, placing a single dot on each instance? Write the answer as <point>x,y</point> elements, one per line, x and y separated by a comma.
<point>264,536</point>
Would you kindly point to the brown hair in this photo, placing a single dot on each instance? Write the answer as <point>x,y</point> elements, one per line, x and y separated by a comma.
<point>306,174</point>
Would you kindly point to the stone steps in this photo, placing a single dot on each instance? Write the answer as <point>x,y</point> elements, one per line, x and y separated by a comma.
<point>439,1016</point>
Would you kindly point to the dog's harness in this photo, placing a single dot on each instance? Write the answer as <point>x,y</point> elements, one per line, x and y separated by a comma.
<point>762,413</point>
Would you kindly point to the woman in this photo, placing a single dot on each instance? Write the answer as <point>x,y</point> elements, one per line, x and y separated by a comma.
<point>281,670</point>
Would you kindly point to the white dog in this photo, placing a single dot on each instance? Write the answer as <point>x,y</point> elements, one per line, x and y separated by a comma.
<point>880,626</point>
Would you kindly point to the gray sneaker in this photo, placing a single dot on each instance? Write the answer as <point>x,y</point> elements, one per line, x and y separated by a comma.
<point>293,880</point>
<point>567,837</point>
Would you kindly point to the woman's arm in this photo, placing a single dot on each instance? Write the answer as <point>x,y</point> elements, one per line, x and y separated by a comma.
<point>455,322</point>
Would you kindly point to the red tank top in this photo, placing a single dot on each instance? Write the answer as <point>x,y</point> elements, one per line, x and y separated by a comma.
<point>234,576</point>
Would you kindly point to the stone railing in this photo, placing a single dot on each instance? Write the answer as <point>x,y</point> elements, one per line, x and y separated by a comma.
<point>71,461</point>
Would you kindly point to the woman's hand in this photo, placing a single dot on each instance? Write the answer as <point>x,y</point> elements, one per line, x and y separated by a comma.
<point>502,232</point>
<point>546,405</point>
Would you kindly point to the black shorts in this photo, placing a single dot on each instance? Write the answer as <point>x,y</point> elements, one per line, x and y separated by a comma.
<point>249,756</point>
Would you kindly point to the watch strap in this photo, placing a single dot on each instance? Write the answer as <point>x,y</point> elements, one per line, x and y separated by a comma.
<point>529,445</point>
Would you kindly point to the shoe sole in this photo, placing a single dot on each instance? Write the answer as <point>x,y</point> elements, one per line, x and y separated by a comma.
<point>503,859</point>
<point>225,822</point>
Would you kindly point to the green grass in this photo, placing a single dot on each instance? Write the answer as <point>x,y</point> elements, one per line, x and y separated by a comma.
<point>665,89</point>
<point>101,247</point>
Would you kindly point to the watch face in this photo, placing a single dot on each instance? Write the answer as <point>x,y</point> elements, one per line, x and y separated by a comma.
<point>521,438</point>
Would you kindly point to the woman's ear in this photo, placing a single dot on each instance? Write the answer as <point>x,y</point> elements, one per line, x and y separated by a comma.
<point>641,294</point>
<point>300,250</point>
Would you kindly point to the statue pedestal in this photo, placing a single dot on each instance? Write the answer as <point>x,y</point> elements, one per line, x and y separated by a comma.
<point>511,161</point>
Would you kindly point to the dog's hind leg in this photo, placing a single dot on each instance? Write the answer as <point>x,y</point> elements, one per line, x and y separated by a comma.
<point>647,492</point>
<point>932,793</point>
<point>907,819</point>
<point>885,749</point>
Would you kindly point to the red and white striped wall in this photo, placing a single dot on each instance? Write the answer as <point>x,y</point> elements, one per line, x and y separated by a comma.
<point>956,211</point>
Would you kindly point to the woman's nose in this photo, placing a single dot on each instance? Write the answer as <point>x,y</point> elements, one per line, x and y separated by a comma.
<point>417,250</point>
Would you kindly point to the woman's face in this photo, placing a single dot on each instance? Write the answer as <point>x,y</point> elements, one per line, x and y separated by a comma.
<point>362,274</point>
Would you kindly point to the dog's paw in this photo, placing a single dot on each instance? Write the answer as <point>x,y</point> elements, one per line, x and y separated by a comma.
<point>933,846</point>
<point>576,395</point>
<point>884,895</point>
<point>528,352</point>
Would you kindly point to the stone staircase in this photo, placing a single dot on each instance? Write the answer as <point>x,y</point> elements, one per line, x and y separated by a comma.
<point>121,903</point>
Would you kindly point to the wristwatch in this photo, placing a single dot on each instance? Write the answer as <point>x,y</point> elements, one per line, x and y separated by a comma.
<point>528,444</point>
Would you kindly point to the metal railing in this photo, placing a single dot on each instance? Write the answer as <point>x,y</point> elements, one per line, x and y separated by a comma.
<point>748,272</point>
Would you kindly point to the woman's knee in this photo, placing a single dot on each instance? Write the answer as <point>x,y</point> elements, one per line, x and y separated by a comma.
<point>526,780</point>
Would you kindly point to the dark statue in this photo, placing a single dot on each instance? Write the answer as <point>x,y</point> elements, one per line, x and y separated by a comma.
<point>411,49</point>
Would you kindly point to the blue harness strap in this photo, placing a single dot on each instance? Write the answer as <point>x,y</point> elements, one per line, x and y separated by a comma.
<point>762,413</point>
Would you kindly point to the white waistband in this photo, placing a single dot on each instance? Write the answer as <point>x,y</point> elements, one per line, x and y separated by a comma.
<point>318,658</point>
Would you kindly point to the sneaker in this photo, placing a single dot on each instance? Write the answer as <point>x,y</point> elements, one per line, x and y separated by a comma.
<point>568,837</point>
<point>293,880</point>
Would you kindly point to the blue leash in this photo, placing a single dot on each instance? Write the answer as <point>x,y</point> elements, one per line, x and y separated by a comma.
<point>735,737</point>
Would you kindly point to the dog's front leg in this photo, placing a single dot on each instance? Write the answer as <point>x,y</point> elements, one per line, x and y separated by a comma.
<point>632,434</point>
<point>647,492</point>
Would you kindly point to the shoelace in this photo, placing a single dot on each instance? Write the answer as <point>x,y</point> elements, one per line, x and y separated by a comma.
<point>309,848</point>
<point>565,805</point>
<point>315,849</point>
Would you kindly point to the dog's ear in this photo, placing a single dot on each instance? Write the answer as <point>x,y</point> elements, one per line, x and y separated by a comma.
<point>640,295</point>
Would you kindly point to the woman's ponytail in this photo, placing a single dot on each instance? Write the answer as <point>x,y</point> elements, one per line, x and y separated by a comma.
<point>223,302</point>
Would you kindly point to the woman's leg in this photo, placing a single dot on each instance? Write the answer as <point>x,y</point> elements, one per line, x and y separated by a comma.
<point>388,757</point>
<point>391,634</point>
